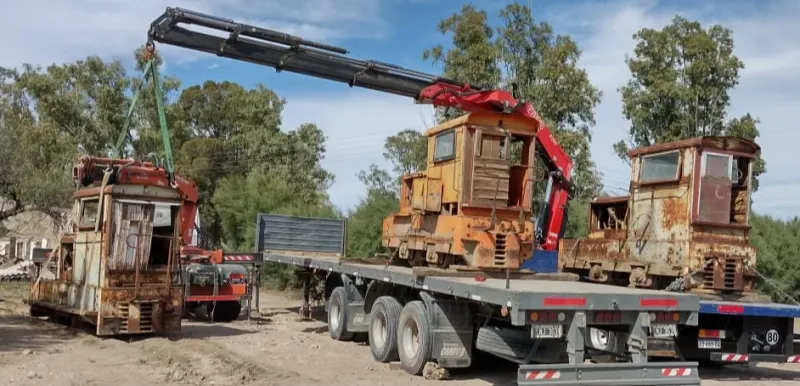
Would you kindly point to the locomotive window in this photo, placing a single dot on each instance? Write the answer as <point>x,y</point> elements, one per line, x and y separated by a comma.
<point>444,146</point>
<point>660,167</point>
<point>89,212</point>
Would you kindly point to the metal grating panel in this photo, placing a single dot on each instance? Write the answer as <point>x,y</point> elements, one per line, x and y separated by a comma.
<point>300,234</point>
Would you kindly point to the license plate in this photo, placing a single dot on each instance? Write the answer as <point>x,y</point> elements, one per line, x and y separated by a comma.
<point>664,330</point>
<point>547,331</point>
<point>709,344</point>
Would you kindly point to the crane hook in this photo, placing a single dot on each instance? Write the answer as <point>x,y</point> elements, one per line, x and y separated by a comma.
<point>149,49</point>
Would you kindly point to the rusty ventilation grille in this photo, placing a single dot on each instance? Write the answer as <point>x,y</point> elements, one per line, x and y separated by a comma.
<point>728,278</point>
<point>500,249</point>
<point>145,316</point>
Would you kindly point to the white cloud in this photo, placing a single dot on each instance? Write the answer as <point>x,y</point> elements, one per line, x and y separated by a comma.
<point>765,41</point>
<point>53,31</point>
<point>355,122</point>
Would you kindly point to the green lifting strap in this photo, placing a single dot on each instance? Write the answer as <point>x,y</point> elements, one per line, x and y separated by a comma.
<point>151,70</point>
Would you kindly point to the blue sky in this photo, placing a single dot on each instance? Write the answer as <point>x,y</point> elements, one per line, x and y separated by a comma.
<point>397,31</point>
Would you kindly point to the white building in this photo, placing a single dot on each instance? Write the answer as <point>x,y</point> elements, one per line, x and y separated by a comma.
<point>26,231</point>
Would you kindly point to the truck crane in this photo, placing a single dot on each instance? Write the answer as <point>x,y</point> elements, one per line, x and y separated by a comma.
<point>424,193</point>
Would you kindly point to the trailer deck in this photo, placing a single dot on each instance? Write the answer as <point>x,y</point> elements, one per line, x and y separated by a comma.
<point>521,294</point>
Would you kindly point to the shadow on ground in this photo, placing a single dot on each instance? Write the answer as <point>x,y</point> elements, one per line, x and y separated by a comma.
<point>488,368</point>
<point>18,333</point>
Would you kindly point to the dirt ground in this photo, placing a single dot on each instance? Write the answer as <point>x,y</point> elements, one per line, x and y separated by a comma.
<point>277,349</point>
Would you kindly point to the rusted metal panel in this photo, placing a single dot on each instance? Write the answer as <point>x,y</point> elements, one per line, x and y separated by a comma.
<point>433,195</point>
<point>721,143</point>
<point>611,199</point>
<point>418,194</point>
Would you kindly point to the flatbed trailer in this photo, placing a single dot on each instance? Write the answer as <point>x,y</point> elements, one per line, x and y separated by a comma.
<point>539,324</point>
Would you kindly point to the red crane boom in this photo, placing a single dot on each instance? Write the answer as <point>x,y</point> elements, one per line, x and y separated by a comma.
<point>286,52</point>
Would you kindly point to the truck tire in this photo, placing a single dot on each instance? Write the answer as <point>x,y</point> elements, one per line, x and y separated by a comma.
<point>508,343</point>
<point>337,315</point>
<point>602,340</point>
<point>414,338</point>
<point>383,320</point>
<point>226,311</point>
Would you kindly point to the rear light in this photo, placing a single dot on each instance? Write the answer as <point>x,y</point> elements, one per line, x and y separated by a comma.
<point>547,316</point>
<point>665,317</point>
<point>712,334</point>
<point>608,316</point>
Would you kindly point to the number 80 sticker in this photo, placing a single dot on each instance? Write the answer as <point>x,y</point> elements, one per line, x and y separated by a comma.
<point>772,337</point>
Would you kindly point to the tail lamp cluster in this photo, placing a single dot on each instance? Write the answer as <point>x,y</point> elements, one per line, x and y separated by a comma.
<point>608,316</point>
<point>665,317</point>
<point>547,316</point>
<point>711,334</point>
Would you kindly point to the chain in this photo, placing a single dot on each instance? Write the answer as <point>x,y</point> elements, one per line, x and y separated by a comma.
<point>776,286</point>
<point>679,284</point>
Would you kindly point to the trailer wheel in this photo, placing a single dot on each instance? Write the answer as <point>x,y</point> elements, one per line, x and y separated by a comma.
<point>383,321</point>
<point>337,315</point>
<point>602,340</point>
<point>414,337</point>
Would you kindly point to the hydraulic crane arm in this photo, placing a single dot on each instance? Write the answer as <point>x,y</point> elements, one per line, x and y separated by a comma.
<point>286,52</point>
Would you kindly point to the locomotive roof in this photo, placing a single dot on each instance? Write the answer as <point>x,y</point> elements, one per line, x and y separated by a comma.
<point>728,143</point>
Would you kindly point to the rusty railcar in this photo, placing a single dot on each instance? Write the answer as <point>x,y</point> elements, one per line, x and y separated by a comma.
<point>684,225</point>
<point>117,263</point>
<point>472,205</point>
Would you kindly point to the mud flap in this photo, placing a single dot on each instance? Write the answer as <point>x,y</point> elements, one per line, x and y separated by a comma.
<point>451,327</point>
<point>612,374</point>
<point>357,320</point>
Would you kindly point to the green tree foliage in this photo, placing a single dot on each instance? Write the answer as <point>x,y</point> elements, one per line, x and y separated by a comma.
<point>577,223</point>
<point>542,65</point>
<point>365,222</point>
<point>238,200</point>
<point>46,115</point>
<point>407,150</point>
<point>205,160</point>
<point>236,131</point>
<point>681,76</point>
<point>146,127</point>
<point>778,256</point>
